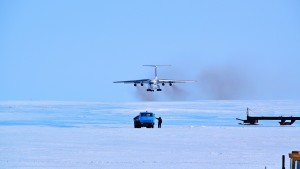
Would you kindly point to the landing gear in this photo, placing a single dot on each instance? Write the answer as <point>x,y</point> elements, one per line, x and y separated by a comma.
<point>158,90</point>
<point>150,90</point>
<point>170,84</point>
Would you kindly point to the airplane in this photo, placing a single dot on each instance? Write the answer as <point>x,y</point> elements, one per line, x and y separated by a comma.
<point>154,84</point>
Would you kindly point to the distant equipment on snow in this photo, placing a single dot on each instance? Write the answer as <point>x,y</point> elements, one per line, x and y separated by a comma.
<point>253,120</point>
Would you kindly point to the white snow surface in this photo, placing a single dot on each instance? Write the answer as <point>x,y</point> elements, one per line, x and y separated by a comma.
<point>201,134</point>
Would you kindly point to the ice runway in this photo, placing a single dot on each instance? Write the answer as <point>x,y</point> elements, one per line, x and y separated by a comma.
<point>182,147</point>
<point>101,135</point>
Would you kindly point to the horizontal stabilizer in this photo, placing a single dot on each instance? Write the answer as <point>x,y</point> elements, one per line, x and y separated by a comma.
<point>156,65</point>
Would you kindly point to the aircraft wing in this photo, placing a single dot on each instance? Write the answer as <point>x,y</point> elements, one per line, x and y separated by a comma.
<point>134,81</point>
<point>174,81</point>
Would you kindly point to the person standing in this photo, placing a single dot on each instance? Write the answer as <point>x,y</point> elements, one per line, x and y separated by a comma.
<point>159,122</point>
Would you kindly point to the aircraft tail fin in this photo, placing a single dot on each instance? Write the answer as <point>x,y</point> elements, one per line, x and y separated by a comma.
<point>155,66</point>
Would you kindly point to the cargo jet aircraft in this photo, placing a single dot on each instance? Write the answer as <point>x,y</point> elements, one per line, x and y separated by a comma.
<point>154,84</point>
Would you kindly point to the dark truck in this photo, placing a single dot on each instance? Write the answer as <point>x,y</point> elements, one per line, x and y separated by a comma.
<point>144,119</point>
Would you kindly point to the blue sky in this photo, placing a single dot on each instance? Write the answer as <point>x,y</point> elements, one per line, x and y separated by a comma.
<point>74,50</point>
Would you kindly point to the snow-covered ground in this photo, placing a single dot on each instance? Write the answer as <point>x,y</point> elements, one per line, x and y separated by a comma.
<point>200,134</point>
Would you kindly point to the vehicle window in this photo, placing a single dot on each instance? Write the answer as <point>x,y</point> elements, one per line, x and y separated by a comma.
<point>297,164</point>
<point>147,114</point>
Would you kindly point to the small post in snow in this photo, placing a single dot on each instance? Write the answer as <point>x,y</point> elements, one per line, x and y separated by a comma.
<point>283,162</point>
